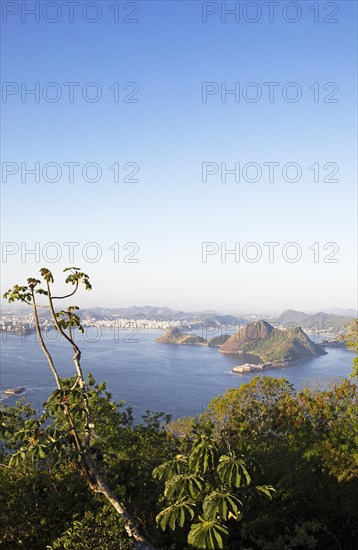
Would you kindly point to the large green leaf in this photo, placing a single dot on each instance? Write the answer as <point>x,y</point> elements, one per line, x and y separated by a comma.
<point>203,456</point>
<point>233,471</point>
<point>170,468</point>
<point>183,485</point>
<point>222,505</point>
<point>176,514</point>
<point>266,490</point>
<point>207,535</point>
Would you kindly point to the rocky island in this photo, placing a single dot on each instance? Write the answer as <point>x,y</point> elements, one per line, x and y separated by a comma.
<point>175,336</point>
<point>274,347</point>
<point>266,346</point>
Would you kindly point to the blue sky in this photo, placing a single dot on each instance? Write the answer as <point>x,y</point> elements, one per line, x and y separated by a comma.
<point>170,212</point>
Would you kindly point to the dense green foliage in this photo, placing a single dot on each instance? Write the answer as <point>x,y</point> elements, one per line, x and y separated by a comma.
<point>353,344</point>
<point>264,468</point>
<point>42,494</point>
<point>304,444</point>
<point>209,488</point>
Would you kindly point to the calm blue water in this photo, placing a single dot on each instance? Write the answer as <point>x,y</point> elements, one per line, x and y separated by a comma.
<point>179,380</point>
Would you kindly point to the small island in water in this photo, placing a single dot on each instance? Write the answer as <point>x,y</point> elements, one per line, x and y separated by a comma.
<point>176,336</point>
<point>273,347</point>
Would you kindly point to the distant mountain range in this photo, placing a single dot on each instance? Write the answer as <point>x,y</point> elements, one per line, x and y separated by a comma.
<point>135,312</point>
<point>151,313</point>
<point>314,321</point>
<point>322,321</point>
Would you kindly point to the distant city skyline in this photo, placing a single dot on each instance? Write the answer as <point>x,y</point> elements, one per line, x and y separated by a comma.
<point>181,154</point>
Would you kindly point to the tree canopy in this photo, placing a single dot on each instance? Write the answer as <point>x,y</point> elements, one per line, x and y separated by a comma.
<point>264,467</point>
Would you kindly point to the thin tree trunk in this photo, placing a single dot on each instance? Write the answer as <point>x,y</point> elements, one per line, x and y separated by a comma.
<point>77,355</point>
<point>100,486</point>
<point>43,345</point>
<point>93,478</point>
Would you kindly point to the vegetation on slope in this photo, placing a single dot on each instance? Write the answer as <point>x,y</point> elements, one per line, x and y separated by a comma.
<point>265,467</point>
<point>271,344</point>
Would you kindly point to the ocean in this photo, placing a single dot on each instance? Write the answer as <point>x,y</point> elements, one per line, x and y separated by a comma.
<point>176,379</point>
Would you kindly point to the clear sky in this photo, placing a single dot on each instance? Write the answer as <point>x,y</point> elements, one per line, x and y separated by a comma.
<point>148,99</point>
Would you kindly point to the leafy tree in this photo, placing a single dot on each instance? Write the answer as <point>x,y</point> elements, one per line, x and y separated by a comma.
<point>95,531</point>
<point>307,445</point>
<point>43,499</point>
<point>65,474</point>
<point>70,437</point>
<point>205,490</point>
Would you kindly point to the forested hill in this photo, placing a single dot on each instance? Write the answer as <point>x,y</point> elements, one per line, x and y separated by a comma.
<point>270,344</point>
